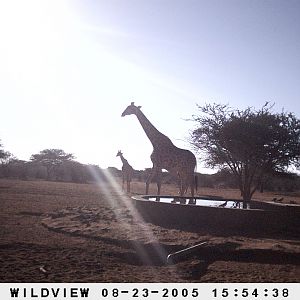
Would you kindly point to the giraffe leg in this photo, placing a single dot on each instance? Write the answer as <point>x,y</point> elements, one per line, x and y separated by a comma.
<point>148,182</point>
<point>123,182</point>
<point>182,184</point>
<point>192,185</point>
<point>181,190</point>
<point>128,185</point>
<point>158,176</point>
<point>150,177</point>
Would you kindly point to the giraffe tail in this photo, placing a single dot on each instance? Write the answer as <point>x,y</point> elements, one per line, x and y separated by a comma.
<point>196,182</point>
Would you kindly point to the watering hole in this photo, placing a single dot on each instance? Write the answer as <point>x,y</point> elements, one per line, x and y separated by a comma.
<point>217,214</point>
<point>198,201</point>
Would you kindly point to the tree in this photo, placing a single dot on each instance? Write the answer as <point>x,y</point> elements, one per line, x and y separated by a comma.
<point>5,159</point>
<point>51,159</point>
<point>250,143</point>
<point>2,153</point>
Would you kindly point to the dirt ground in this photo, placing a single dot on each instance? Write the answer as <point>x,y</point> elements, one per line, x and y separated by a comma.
<point>65,232</point>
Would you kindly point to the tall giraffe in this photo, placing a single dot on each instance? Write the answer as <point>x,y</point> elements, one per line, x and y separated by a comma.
<point>165,155</point>
<point>127,171</point>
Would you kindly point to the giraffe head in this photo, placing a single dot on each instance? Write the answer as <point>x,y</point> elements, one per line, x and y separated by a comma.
<point>131,110</point>
<point>119,153</point>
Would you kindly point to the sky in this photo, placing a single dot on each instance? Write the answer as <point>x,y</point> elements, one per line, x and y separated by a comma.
<point>68,69</point>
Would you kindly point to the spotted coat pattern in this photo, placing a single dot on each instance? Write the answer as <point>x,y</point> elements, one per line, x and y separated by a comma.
<point>179,162</point>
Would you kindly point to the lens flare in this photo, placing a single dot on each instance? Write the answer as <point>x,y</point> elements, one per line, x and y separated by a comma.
<point>115,196</point>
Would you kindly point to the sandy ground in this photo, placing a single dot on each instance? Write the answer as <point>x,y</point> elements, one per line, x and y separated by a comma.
<point>64,232</point>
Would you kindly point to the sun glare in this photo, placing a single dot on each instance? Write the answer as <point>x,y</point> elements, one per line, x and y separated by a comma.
<point>32,32</point>
<point>144,228</point>
<point>61,70</point>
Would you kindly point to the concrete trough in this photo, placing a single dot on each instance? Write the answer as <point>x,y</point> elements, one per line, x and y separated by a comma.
<point>260,216</point>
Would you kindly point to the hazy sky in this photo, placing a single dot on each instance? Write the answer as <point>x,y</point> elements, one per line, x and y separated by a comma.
<point>68,69</point>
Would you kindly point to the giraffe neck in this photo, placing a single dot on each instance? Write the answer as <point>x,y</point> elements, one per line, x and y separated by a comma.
<point>124,161</point>
<point>155,136</point>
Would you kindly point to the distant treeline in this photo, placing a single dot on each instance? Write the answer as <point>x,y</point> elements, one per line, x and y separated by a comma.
<point>68,171</point>
<point>73,171</point>
<point>57,165</point>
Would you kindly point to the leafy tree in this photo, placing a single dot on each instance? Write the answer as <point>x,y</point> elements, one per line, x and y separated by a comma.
<point>5,159</point>
<point>250,143</point>
<point>2,153</point>
<point>51,159</point>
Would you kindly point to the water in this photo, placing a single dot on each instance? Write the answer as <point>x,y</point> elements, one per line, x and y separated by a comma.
<point>201,202</point>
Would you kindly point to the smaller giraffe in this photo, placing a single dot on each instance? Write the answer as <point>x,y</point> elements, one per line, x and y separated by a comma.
<point>127,171</point>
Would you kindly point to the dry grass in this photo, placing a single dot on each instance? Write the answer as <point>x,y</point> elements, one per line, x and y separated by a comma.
<point>80,233</point>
